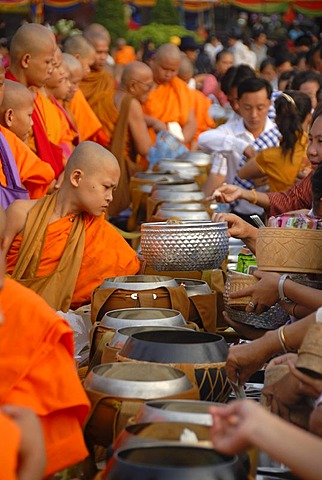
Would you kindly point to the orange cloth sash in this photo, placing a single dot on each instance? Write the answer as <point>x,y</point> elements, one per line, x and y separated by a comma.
<point>201,108</point>
<point>37,357</point>
<point>125,55</point>
<point>106,254</point>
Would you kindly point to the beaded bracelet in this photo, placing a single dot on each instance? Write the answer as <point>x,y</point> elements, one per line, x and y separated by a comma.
<point>254,201</point>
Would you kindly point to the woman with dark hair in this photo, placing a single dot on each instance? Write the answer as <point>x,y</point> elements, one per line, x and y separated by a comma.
<point>267,71</point>
<point>282,164</point>
<point>211,83</point>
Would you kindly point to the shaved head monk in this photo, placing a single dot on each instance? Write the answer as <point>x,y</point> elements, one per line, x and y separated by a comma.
<point>99,80</point>
<point>16,106</point>
<point>201,103</point>
<point>121,108</point>
<point>32,57</point>
<point>76,246</point>
<point>88,125</point>
<point>170,101</point>
<point>40,372</point>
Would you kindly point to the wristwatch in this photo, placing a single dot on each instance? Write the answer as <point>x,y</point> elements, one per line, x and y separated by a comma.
<point>281,293</point>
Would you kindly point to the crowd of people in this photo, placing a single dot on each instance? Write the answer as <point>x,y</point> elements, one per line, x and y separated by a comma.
<point>75,125</point>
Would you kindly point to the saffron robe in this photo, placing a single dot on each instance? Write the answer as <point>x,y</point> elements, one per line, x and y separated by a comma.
<point>37,351</point>
<point>106,254</point>
<point>169,102</point>
<point>35,175</point>
<point>125,55</point>
<point>88,125</point>
<point>9,448</point>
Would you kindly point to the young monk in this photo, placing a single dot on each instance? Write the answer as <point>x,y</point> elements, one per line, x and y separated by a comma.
<point>32,51</point>
<point>40,373</point>
<point>16,106</point>
<point>88,125</point>
<point>170,100</point>
<point>136,82</point>
<point>78,247</point>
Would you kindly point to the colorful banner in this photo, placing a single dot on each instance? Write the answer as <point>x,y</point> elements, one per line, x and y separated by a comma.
<point>20,6</point>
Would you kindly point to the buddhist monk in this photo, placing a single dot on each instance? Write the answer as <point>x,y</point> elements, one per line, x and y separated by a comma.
<point>170,101</point>
<point>30,173</point>
<point>98,80</point>
<point>124,53</point>
<point>88,125</point>
<point>39,372</point>
<point>201,103</point>
<point>76,246</point>
<point>32,52</point>
<point>136,82</point>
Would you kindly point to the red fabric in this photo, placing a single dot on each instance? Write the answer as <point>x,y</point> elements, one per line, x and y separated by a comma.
<point>47,151</point>
<point>296,198</point>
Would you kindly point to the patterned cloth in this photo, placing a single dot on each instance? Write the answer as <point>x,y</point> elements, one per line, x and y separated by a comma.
<point>297,197</point>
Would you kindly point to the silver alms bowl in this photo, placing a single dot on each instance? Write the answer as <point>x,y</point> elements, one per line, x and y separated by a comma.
<point>184,246</point>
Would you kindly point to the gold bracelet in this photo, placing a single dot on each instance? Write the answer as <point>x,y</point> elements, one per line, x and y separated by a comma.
<point>254,201</point>
<point>281,337</point>
<point>293,310</point>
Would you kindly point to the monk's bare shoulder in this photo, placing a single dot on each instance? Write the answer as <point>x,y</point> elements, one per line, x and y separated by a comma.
<point>16,215</point>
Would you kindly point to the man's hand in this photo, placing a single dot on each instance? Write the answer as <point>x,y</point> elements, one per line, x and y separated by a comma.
<point>244,360</point>
<point>32,455</point>
<point>250,152</point>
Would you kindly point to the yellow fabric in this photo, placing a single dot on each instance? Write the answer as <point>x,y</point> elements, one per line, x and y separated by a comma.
<point>86,120</point>
<point>282,169</point>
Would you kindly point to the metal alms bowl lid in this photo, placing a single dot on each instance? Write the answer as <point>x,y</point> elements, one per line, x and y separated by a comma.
<point>130,380</point>
<point>182,214</point>
<point>176,347</point>
<point>194,287</point>
<point>181,185</point>
<point>122,334</point>
<point>131,317</point>
<point>139,282</point>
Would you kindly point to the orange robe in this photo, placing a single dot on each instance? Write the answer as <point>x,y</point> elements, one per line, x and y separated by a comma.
<point>201,108</point>
<point>9,448</point>
<point>106,254</point>
<point>125,55</point>
<point>56,125</point>
<point>37,349</point>
<point>88,125</point>
<point>169,102</point>
<point>35,175</point>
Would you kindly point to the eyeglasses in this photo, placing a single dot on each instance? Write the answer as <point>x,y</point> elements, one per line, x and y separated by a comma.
<point>148,86</point>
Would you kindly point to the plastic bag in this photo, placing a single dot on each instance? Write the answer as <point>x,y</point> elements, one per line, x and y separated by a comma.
<point>166,146</point>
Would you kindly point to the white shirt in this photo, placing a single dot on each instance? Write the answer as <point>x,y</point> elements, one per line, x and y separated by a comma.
<point>229,141</point>
<point>243,55</point>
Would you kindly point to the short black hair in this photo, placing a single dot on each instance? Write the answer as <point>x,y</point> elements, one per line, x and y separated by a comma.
<point>251,85</point>
<point>306,76</point>
<point>234,76</point>
<point>264,63</point>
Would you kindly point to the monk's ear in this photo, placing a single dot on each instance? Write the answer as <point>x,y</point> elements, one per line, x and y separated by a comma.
<point>76,177</point>
<point>8,117</point>
<point>25,60</point>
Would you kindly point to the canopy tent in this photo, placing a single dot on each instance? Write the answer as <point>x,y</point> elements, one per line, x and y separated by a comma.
<point>306,7</point>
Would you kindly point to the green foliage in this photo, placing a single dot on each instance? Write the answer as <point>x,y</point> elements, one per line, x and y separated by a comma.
<point>111,14</point>
<point>165,12</point>
<point>159,34</point>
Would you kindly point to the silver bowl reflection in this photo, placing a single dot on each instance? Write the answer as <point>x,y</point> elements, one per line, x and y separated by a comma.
<point>122,334</point>
<point>181,185</point>
<point>194,287</point>
<point>139,282</point>
<point>167,213</point>
<point>135,317</point>
<point>177,197</point>
<point>144,381</point>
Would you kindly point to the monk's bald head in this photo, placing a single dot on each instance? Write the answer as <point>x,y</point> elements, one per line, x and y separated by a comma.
<point>15,95</point>
<point>137,79</point>
<point>32,51</point>
<point>185,69</point>
<point>91,175</point>
<point>71,62</point>
<point>166,63</point>
<point>90,157</point>
<point>31,38</point>
<point>96,30</point>
<point>75,69</point>
<point>16,109</point>
<point>77,45</point>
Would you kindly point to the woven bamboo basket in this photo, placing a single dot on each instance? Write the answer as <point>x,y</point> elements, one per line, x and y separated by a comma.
<point>238,281</point>
<point>289,250</point>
